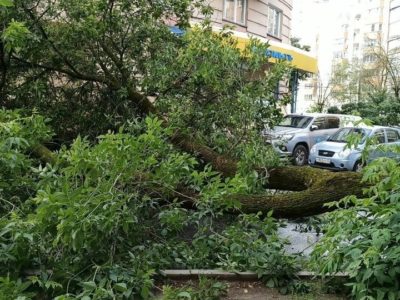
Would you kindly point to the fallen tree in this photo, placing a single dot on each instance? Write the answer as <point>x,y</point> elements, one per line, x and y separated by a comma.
<point>312,187</point>
<point>306,190</point>
<point>199,82</point>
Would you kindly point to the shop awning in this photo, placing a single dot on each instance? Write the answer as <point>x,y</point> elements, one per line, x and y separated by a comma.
<point>299,59</point>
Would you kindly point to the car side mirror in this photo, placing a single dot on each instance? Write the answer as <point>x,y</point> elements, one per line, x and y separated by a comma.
<point>313,127</point>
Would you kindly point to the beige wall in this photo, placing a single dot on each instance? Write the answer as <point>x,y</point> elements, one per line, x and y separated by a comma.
<point>256,20</point>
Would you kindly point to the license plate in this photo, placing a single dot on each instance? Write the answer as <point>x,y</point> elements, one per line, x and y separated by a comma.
<point>323,160</point>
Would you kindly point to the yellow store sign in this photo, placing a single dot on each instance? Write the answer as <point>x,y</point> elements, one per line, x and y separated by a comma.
<point>298,58</point>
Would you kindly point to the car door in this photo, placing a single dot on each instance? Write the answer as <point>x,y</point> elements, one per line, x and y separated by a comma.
<point>332,124</point>
<point>393,140</point>
<point>320,133</point>
<point>377,149</point>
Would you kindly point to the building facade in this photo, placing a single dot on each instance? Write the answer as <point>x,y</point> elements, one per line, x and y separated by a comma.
<point>269,21</point>
<point>394,27</point>
<point>363,29</point>
<point>360,29</point>
<point>393,43</point>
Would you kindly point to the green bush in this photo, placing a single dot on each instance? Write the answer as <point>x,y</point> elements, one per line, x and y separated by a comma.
<point>18,135</point>
<point>104,217</point>
<point>363,239</point>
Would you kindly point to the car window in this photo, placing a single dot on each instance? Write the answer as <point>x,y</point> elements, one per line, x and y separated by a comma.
<point>295,121</point>
<point>392,135</point>
<point>379,135</point>
<point>320,122</point>
<point>343,135</point>
<point>333,122</point>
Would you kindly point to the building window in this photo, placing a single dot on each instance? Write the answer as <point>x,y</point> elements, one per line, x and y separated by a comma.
<point>369,58</point>
<point>235,11</point>
<point>369,42</point>
<point>373,27</point>
<point>274,22</point>
<point>308,97</point>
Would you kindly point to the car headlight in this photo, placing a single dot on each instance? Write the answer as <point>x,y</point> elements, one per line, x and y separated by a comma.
<point>313,150</point>
<point>286,137</point>
<point>345,153</point>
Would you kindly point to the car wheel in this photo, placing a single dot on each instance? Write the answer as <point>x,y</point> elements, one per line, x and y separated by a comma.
<point>300,155</point>
<point>358,166</point>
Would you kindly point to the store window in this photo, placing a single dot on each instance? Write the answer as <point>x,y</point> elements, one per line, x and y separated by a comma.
<point>235,11</point>
<point>274,22</point>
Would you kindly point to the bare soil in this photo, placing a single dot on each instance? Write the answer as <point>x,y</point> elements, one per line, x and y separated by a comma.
<point>253,290</point>
<point>258,291</point>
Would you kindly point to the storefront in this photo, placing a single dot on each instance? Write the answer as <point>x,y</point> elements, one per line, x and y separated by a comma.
<point>300,60</point>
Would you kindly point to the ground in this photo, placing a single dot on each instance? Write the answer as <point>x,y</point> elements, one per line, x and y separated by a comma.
<point>255,290</point>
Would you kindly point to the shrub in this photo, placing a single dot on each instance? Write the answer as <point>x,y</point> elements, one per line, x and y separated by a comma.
<point>363,239</point>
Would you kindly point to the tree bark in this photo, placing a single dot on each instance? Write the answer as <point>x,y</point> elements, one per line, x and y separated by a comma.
<point>323,187</point>
<point>43,153</point>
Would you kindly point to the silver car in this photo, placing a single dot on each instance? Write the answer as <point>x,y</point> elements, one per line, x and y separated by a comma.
<point>297,133</point>
<point>335,155</point>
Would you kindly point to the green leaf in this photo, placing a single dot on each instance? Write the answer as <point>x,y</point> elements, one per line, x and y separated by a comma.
<point>6,3</point>
<point>89,285</point>
<point>271,283</point>
<point>121,287</point>
<point>184,295</point>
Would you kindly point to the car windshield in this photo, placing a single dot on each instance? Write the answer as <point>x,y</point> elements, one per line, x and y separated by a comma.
<point>342,135</point>
<point>295,121</point>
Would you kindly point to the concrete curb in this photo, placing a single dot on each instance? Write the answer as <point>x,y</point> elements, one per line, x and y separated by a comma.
<point>195,273</point>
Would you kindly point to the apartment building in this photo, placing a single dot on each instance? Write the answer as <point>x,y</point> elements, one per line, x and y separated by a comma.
<point>394,27</point>
<point>364,28</point>
<point>359,29</point>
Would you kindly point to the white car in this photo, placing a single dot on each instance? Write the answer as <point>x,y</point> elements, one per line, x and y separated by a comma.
<point>335,155</point>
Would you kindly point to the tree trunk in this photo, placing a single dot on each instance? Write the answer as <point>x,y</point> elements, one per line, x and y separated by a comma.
<point>43,153</point>
<point>324,187</point>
